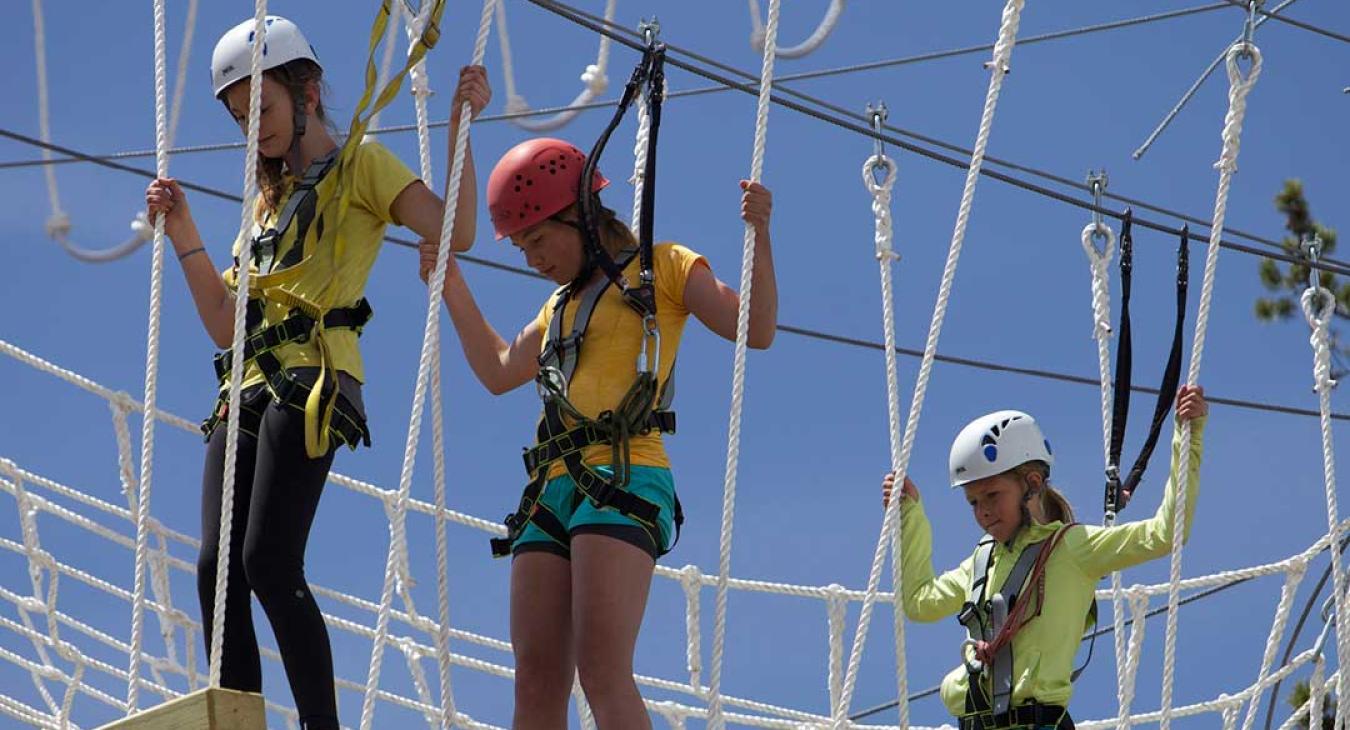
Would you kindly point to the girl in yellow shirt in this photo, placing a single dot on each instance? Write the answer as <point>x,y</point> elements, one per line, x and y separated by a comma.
<point>584,551</point>
<point>320,220</point>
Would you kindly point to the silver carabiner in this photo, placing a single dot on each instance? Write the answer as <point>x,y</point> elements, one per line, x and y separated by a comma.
<point>550,383</point>
<point>1097,182</point>
<point>651,340</point>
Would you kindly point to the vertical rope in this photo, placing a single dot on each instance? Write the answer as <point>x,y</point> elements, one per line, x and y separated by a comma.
<point>1138,601</point>
<point>836,606</point>
<point>1099,261</point>
<point>640,142</point>
<point>245,254</point>
<point>151,371</point>
<point>1239,86</point>
<point>998,68</point>
<point>1319,307</point>
<point>886,256</point>
<point>715,719</point>
<point>430,342</point>
<point>691,580</point>
<point>421,91</point>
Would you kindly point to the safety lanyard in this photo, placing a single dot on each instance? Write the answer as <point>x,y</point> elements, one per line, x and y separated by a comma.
<point>648,76</point>
<point>1118,492</point>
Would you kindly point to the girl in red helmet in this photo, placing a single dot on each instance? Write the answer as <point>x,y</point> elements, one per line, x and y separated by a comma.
<point>322,260</point>
<point>582,566</point>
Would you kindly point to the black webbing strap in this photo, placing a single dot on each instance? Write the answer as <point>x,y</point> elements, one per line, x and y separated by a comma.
<point>649,75</point>
<point>1118,492</point>
<point>347,425</point>
<point>602,491</point>
<point>300,209</point>
<point>1032,715</point>
<point>295,328</point>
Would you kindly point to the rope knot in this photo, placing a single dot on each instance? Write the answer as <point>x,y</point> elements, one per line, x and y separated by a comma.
<point>595,79</point>
<point>58,225</point>
<point>419,83</point>
<point>141,228</point>
<point>1298,565</point>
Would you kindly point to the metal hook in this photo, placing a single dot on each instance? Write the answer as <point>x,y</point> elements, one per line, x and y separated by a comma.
<point>878,114</point>
<point>650,29</point>
<point>1097,182</point>
<point>1249,28</point>
<point>1312,248</point>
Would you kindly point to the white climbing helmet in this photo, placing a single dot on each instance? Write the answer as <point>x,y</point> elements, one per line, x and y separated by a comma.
<point>233,58</point>
<point>995,443</point>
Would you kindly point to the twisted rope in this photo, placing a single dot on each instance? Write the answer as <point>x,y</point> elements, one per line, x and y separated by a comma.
<point>715,719</point>
<point>1239,87</point>
<point>430,346</point>
<point>998,68</point>
<point>1319,307</point>
<point>151,364</point>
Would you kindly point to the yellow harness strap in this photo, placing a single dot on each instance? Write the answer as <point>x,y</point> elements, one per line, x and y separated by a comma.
<point>269,286</point>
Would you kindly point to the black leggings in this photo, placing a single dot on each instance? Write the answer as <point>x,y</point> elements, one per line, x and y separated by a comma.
<point>277,489</point>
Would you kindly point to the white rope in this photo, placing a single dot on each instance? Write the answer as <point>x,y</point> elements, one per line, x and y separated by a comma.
<point>58,224</point>
<point>1239,86</point>
<point>812,42</point>
<point>594,79</point>
<point>1098,262</point>
<point>1291,583</point>
<point>245,256</point>
<point>639,179</point>
<point>430,345</point>
<point>1319,308</point>
<point>835,609</point>
<point>1316,691</point>
<point>691,580</point>
<point>151,364</point>
<point>1128,665</point>
<point>886,256</point>
<point>998,68</point>
<point>421,92</point>
<point>715,718</point>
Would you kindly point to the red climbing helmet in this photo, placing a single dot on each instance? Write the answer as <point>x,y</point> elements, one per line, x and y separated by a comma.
<point>536,179</point>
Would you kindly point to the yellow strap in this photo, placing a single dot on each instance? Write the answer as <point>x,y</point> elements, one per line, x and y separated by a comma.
<point>319,410</point>
<point>365,110</point>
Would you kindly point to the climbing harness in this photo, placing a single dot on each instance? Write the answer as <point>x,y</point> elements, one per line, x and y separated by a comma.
<point>1118,492</point>
<point>347,423</point>
<point>991,623</point>
<point>564,432</point>
<point>314,258</point>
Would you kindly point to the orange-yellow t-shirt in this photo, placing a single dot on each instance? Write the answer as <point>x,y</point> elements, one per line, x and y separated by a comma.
<point>607,364</point>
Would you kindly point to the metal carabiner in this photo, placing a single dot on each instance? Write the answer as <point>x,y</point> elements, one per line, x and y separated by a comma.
<point>651,335</point>
<point>1097,182</point>
<point>878,115</point>
<point>650,29</point>
<point>550,383</point>
<point>1249,28</point>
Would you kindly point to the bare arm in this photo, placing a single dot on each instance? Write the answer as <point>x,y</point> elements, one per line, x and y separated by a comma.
<point>717,305</point>
<point>500,366</point>
<point>214,301</point>
<point>420,209</point>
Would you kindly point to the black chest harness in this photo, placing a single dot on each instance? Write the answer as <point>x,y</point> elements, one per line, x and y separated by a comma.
<point>347,425</point>
<point>985,618</point>
<point>564,432</point>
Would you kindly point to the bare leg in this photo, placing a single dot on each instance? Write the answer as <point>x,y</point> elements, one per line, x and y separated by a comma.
<point>541,637</point>
<point>610,580</point>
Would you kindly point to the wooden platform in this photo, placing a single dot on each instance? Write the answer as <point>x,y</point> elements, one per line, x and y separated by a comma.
<point>207,709</point>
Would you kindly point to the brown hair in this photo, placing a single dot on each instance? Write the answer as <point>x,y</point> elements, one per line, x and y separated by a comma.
<point>296,77</point>
<point>1054,505</point>
<point>615,235</point>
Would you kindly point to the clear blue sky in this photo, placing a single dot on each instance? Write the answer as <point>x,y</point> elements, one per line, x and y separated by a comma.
<point>815,439</point>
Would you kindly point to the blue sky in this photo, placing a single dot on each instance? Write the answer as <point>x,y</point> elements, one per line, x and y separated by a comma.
<point>815,437</point>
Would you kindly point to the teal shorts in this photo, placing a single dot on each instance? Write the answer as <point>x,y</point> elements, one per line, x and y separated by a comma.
<point>580,516</point>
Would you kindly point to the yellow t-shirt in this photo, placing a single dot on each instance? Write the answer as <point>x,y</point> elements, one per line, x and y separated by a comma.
<point>607,364</point>
<point>377,178</point>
